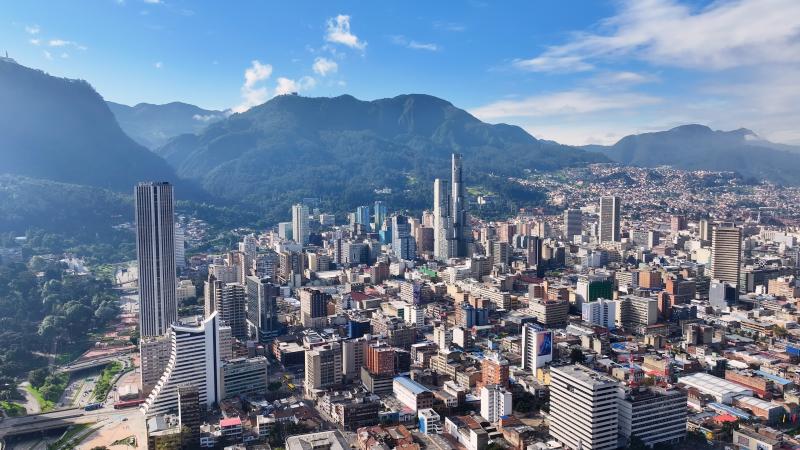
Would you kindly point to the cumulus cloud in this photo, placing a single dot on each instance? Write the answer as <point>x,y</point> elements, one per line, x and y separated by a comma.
<point>206,117</point>
<point>324,66</point>
<point>289,86</point>
<point>58,43</point>
<point>253,91</point>
<point>338,32</point>
<point>35,41</point>
<point>723,35</point>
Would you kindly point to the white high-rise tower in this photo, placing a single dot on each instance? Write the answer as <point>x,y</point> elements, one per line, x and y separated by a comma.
<point>155,251</point>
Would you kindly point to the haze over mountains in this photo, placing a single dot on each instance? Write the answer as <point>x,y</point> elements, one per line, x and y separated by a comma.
<point>342,150</point>
<point>695,147</point>
<point>154,125</point>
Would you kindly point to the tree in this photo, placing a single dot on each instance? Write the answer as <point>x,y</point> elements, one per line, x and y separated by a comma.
<point>577,356</point>
<point>37,377</point>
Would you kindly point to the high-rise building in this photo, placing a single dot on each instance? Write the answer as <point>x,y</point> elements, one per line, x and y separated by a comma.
<point>189,416</point>
<point>677,223</point>
<point>654,415</point>
<point>180,248</point>
<point>323,367</point>
<point>443,243</point>
<point>583,408</point>
<point>300,230</point>
<point>704,229</point>
<point>313,307</point>
<point>495,402</point>
<point>154,352</point>
<point>380,359</point>
<point>537,347</point>
<point>494,370</point>
<point>380,216</point>
<point>726,253</point>
<point>573,223</point>
<point>609,219</point>
<point>155,251</point>
<point>592,287</point>
<point>602,312</point>
<point>285,231</point>
<point>462,231</point>
<point>231,305</point>
<point>262,308</point>
<point>403,243</point>
<point>194,361</point>
<point>362,217</point>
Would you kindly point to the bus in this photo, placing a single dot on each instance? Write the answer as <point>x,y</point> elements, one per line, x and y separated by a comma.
<point>92,406</point>
<point>128,403</point>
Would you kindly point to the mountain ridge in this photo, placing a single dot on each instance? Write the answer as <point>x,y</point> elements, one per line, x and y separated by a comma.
<point>153,125</point>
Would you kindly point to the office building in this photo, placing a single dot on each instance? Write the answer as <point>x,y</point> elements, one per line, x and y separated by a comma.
<point>403,243</point>
<point>155,252</point>
<point>180,248</point>
<point>704,230</point>
<point>462,230</point>
<point>380,359</point>
<point>154,352</point>
<point>609,225</point>
<point>323,367</point>
<point>583,408</point>
<point>726,253</point>
<point>314,307</point>
<point>573,223</point>
<point>262,308</point>
<point>654,415</point>
<point>285,231</point>
<point>412,394</point>
<point>244,376</point>
<point>634,311</point>
<point>300,229</point>
<point>537,347</point>
<point>495,402</point>
<point>601,312</point>
<point>195,361</point>
<point>592,287</point>
<point>231,304</point>
<point>429,421</point>
<point>494,370</point>
<point>550,313</point>
<point>380,216</point>
<point>189,416</point>
<point>362,217</point>
<point>443,242</point>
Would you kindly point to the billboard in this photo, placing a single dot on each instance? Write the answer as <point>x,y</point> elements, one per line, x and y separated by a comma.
<point>544,343</point>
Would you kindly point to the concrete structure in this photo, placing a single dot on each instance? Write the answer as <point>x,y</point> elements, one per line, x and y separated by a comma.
<point>429,421</point>
<point>412,394</point>
<point>609,219</point>
<point>573,223</point>
<point>262,308</point>
<point>602,312</point>
<point>155,253</point>
<point>195,361</point>
<point>495,402</point>
<point>537,347</point>
<point>654,415</point>
<point>323,367</point>
<point>300,229</point>
<point>723,391</point>
<point>583,408</point>
<point>154,352</point>
<point>244,376</point>
<point>726,254</point>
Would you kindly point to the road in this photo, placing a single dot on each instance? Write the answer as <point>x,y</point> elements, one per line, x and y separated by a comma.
<point>31,405</point>
<point>61,418</point>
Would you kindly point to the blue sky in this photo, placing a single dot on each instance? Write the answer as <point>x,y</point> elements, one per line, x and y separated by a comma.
<point>577,72</point>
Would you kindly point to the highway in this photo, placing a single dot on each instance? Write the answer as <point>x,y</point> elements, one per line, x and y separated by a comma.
<point>58,419</point>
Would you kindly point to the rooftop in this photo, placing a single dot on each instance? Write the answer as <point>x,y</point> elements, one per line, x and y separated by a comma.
<point>411,385</point>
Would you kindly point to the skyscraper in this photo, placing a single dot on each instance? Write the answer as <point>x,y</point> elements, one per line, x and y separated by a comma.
<point>609,219</point>
<point>380,216</point>
<point>323,367</point>
<point>726,253</point>
<point>462,232</point>
<point>583,408</point>
<point>262,307</point>
<point>403,242</point>
<point>231,303</point>
<point>180,250</point>
<point>300,230</point>
<point>155,251</point>
<point>195,361</point>
<point>573,223</point>
<point>443,242</point>
<point>362,216</point>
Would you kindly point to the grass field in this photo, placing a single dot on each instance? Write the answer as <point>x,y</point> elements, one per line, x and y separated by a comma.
<point>45,405</point>
<point>12,409</point>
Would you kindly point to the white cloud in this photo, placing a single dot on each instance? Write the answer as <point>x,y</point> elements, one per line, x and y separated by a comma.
<point>562,103</point>
<point>288,86</point>
<point>253,92</point>
<point>153,2</point>
<point>338,32</point>
<point>32,29</point>
<point>59,43</point>
<point>723,35</point>
<point>47,54</point>
<point>64,55</point>
<point>324,66</point>
<point>415,45</point>
<point>624,78</point>
<point>35,41</point>
<point>158,64</point>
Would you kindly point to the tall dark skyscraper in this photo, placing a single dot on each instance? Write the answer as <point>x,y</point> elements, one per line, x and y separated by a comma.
<point>461,228</point>
<point>262,307</point>
<point>155,251</point>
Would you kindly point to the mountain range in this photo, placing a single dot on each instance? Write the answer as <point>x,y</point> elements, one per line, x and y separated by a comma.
<point>698,147</point>
<point>154,125</point>
<point>61,129</point>
<point>342,151</point>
